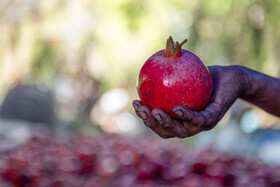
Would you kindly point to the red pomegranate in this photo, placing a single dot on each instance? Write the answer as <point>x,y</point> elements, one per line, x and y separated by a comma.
<point>172,77</point>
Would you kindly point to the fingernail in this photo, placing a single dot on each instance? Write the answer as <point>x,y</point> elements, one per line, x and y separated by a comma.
<point>135,106</point>
<point>179,112</point>
<point>143,115</point>
<point>158,117</point>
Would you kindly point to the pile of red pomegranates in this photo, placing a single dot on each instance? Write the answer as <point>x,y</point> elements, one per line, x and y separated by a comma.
<point>110,160</point>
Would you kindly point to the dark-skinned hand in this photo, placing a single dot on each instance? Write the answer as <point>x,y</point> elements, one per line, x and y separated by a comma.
<point>228,84</point>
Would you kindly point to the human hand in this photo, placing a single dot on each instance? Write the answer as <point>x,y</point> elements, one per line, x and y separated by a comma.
<point>229,83</point>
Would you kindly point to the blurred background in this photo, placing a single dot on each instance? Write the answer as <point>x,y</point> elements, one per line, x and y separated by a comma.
<point>72,66</point>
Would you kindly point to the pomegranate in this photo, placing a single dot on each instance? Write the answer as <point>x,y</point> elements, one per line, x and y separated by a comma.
<point>172,77</point>
<point>111,160</point>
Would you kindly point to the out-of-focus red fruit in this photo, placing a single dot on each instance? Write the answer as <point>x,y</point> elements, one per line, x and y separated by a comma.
<point>172,77</point>
<point>212,182</point>
<point>115,161</point>
<point>126,180</point>
<point>275,183</point>
<point>199,168</point>
<point>146,169</point>
<point>193,180</point>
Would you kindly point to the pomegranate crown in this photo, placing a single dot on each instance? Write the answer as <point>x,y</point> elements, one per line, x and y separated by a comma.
<point>173,49</point>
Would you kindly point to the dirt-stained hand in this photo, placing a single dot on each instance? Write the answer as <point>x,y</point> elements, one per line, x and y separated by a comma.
<point>229,83</point>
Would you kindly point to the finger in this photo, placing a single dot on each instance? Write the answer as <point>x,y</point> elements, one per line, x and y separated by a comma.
<point>136,104</point>
<point>171,124</point>
<point>192,130</point>
<point>215,110</point>
<point>193,117</point>
<point>152,123</point>
<point>212,115</point>
<point>163,118</point>
<point>205,118</point>
<point>145,114</point>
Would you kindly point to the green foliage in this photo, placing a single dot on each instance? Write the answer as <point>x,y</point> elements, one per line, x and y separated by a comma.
<point>44,62</point>
<point>111,40</point>
<point>70,45</point>
<point>133,11</point>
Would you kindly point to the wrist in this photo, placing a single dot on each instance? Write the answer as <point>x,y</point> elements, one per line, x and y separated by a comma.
<point>261,90</point>
<point>246,87</point>
<point>256,84</point>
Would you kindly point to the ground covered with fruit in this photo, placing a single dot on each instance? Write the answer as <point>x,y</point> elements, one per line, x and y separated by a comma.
<point>111,160</point>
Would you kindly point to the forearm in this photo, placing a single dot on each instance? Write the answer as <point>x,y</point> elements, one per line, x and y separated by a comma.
<point>262,90</point>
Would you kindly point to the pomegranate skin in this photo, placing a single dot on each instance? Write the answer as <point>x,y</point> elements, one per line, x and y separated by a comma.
<point>180,79</point>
